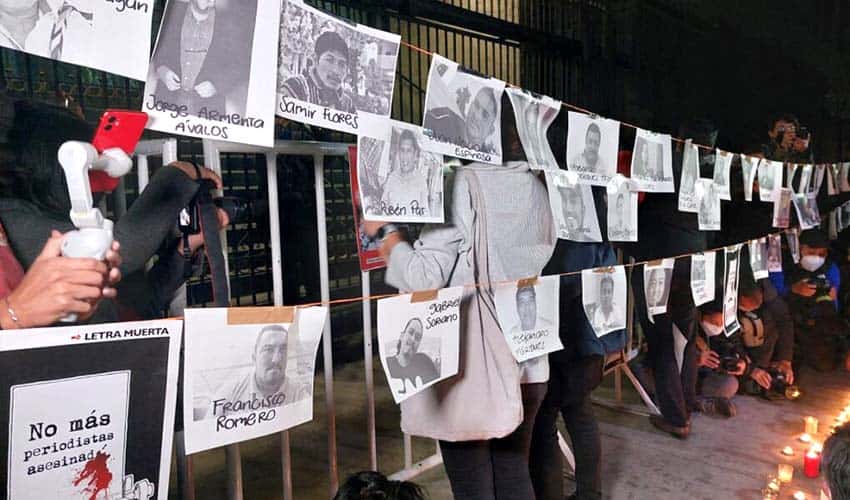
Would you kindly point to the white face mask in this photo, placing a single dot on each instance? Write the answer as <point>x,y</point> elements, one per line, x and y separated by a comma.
<point>711,329</point>
<point>812,263</point>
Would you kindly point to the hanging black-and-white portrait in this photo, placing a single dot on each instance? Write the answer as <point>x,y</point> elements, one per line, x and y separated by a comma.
<point>399,181</point>
<point>652,162</point>
<point>534,114</point>
<point>774,253</point>
<point>656,283</point>
<point>844,177</point>
<point>419,341</point>
<point>690,174</point>
<point>758,258</point>
<point>792,236</point>
<point>833,172</point>
<point>730,289</point>
<point>592,144</point>
<point>572,207</point>
<point>702,277</point>
<point>622,210</point>
<point>769,179</point>
<point>782,207</point>
<point>807,211</point>
<point>463,113</point>
<point>722,173</point>
<point>255,369</point>
<point>804,184</point>
<point>82,32</point>
<point>528,315</point>
<point>212,72</point>
<point>749,169</point>
<point>817,183</point>
<point>708,200</point>
<point>333,73</point>
<point>603,294</point>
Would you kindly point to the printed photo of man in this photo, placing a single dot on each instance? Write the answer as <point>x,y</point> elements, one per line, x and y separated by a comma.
<point>588,159</point>
<point>473,131</point>
<point>266,376</point>
<point>203,56</point>
<point>607,316</point>
<point>406,181</point>
<point>323,83</point>
<point>58,29</point>
<point>573,209</point>
<point>413,368</point>
<point>526,308</point>
<point>774,254</point>
<point>620,217</point>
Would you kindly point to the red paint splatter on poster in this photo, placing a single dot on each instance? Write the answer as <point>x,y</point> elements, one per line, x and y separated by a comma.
<point>97,472</point>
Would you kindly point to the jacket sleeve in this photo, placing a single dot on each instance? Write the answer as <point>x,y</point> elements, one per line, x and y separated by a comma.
<point>149,220</point>
<point>431,260</point>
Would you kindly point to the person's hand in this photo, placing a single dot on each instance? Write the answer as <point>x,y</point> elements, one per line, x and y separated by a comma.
<point>786,369</point>
<point>206,89</point>
<point>196,241</point>
<point>55,286</point>
<point>804,288</point>
<point>833,293</point>
<point>709,359</point>
<point>168,77</point>
<point>761,377</point>
<point>371,227</point>
<point>740,368</point>
<point>189,169</point>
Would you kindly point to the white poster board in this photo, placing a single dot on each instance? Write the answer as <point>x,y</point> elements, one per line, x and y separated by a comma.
<point>528,313</point>
<point>248,373</point>
<point>703,267</point>
<point>212,74</point>
<point>573,209</point>
<point>334,73</point>
<point>419,340</point>
<point>603,295</point>
<point>90,410</point>
<point>592,147</point>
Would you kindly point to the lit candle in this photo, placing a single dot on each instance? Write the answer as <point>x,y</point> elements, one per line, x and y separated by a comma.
<point>788,451</point>
<point>811,464</point>
<point>806,438</point>
<point>774,485</point>
<point>786,472</point>
<point>799,495</point>
<point>817,447</point>
<point>811,425</point>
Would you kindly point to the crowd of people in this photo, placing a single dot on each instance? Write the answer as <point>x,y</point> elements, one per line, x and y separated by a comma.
<point>797,316</point>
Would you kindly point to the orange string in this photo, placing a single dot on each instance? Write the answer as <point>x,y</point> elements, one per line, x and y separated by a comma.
<point>564,104</point>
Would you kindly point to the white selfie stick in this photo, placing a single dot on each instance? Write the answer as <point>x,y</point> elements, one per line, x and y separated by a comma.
<point>93,238</point>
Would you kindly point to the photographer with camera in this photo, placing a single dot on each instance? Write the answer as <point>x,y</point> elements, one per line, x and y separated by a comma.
<point>782,136</point>
<point>721,360</point>
<point>811,288</point>
<point>34,201</point>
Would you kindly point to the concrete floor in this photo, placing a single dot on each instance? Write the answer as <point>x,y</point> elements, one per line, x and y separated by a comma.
<point>722,458</point>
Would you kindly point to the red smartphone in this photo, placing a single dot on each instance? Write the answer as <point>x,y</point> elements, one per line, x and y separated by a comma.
<point>118,128</point>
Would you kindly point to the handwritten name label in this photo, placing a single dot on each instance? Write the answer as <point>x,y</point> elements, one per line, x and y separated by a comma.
<point>300,110</point>
<point>395,210</point>
<point>131,5</point>
<point>442,312</point>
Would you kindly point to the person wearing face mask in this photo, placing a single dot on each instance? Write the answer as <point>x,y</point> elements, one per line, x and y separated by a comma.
<point>718,379</point>
<point>811,289</point>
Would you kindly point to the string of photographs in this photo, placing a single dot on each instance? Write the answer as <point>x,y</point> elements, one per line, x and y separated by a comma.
<point>419,333</point>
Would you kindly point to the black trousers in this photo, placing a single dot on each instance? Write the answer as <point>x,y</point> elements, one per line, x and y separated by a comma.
<point>495,469</point>
<point>569,393</point>
<point>675,390</point>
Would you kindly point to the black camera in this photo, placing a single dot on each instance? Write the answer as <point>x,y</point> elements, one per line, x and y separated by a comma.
<point>821,283</point>
<point>729,358</point>
<point>779,386</point>
<point>238,210</point>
